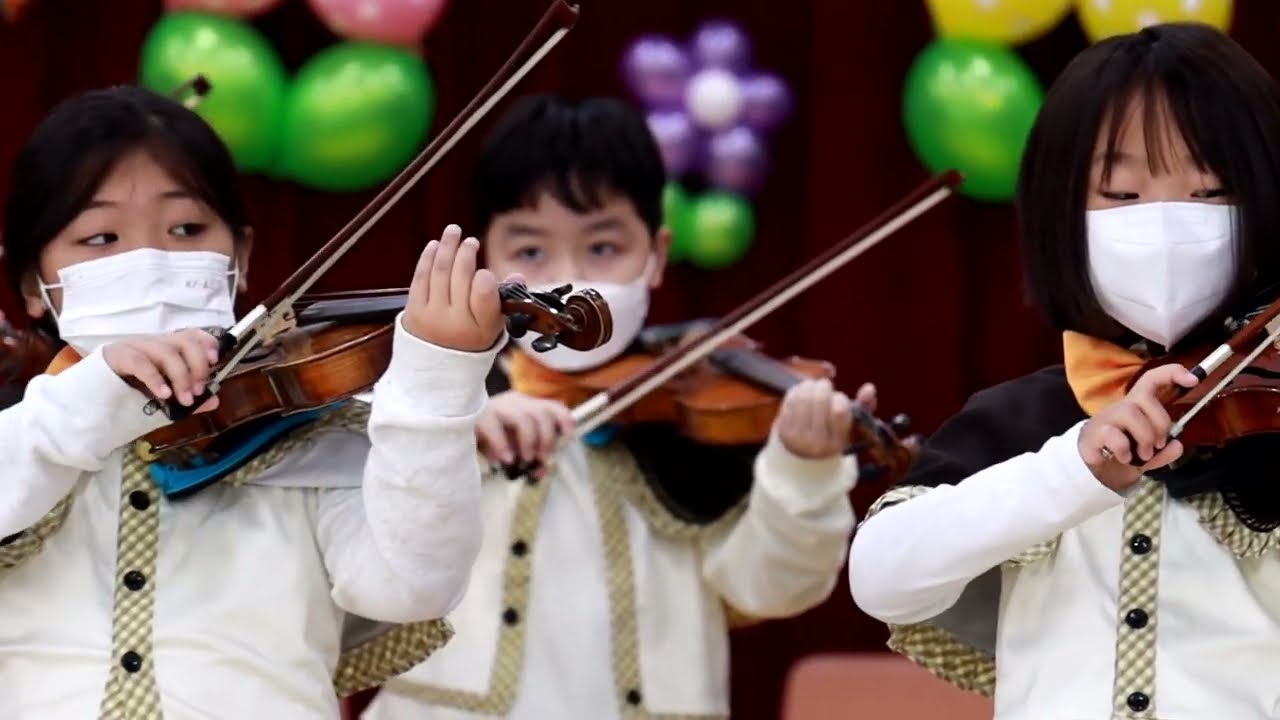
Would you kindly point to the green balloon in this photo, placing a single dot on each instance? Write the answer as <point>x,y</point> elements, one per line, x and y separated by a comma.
<point>676,208</point>
<point>357,113</point>
<point>969,105</point>
<point>721,227</point>
<point>246,77</point>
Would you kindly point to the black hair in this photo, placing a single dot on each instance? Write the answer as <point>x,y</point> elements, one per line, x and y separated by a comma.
<point>578,151</point>
<point>1193,79</point>
<point>77,144</point>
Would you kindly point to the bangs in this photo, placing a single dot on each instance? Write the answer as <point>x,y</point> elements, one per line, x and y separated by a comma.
<point>1166,120</point>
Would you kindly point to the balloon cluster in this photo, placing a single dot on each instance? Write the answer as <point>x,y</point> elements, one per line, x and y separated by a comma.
<point>11,10</point>
<point>349,118</point>
<point>969,101</point>
<point>709,111</point>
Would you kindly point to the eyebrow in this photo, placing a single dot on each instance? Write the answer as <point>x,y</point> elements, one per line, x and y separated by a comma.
<point>518,228</point>
<point>166,195</point>
<point>606,223</point>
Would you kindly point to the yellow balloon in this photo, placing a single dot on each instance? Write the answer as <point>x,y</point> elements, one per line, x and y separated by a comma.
<point>1104,18</point>
<point>1008,22</point>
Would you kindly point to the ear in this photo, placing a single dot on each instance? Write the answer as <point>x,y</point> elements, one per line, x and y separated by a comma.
<point>661,245</point>
<point>32,298</point>
<point>243,249</point>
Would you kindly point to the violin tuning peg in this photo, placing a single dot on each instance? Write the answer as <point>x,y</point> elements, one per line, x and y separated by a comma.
<point>869,472</point>
<point>545,343</point>
<point>901,424</point>
<point>518,324</point>
<point>563,290</point>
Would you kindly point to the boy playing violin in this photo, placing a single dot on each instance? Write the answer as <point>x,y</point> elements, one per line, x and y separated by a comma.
<point>608,581</point>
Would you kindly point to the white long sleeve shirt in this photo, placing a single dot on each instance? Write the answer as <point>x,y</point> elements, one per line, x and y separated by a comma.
<point>251,582</point>
<point>779,558</point>
<point>1145,606</point>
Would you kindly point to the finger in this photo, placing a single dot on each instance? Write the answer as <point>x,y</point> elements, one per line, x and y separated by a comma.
<point>1170,453</point>
<point>420,287</point>
<point>196,356</point>
<point>166,356</point>
<point>866,397</point>
<point>208,345</point>
<point>516,279</point>
<point>841,416</point>
<point>1159,381</point>
<point>817,408</point>
<point>1157,415</point>
<point>1130,419</point>
<point>1112,438</point>
<point>442,267</point>
<point>485,303</point>
<point>464,269</point>
<point>564,420</point>
<point>138,365</point>
<point>526,432</point>
<point>208,405</point>
<point>545,425</point>
<point>492,440</point>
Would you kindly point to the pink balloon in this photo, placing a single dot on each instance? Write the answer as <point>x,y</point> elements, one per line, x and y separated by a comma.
<point>234,8</point>
<point>396,22</point>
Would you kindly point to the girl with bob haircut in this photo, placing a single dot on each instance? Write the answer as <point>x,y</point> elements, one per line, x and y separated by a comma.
<point>1023,556</point>
<point>320,565</point>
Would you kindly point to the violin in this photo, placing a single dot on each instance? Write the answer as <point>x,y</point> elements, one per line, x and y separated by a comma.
<point>1239,390</point>
<point>718,387</point>
<point>733,397</point>
<point>342,345</point>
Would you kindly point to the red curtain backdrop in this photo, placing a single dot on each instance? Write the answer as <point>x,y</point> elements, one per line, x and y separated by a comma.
<point>930,316</point>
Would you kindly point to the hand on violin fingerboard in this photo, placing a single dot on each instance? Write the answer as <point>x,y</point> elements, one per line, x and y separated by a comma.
<point>815,419</point>
<point>176,365</point>
<point>451,303</point>
<point>519,429</point>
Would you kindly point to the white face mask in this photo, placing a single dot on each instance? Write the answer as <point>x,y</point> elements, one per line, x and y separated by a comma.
<point>1160,268</point>
<point>142,292</point>
<point>628,306</point>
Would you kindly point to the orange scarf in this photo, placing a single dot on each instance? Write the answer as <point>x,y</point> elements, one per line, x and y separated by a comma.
<point>65,358</point>
<point>1097,370</point>
<point>530,377</point>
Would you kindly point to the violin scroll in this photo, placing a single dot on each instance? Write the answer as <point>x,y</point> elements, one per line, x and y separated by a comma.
<point>579,321</point>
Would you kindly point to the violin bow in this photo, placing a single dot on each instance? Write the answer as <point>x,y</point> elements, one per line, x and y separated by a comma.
<point>276,314</point>
<point>604,406</point>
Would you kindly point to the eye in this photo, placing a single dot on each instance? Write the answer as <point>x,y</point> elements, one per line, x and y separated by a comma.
<point>99,239</point>
<point>1120,196</point>
<point>1211,193</point>
<point>604,248</point>
<point>188,229</point>
<point>528,253</point>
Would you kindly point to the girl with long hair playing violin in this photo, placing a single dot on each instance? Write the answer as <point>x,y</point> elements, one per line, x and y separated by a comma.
<point>607,584</point>
<point>1053,545</point>
<point>318,566</point>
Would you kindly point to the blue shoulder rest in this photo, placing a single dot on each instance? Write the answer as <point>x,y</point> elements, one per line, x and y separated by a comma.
<point>176,482</point>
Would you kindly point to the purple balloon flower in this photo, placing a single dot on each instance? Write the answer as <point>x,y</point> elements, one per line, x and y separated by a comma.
<point>735,160</point>
<point>722,44</point>
<point>677,139</point>
<point>656,70</point>
<point>766,101</point>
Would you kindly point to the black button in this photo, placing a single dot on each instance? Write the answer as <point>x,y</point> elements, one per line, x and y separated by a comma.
<point>1136,618</point>
<point>1138,702</point>
<point>134,580</point>
<point>633,697</point>
<point>510,616</point>
<point>1140,544</point>
<point>519,548</point>
<point>131,661</point>
<point>139,500</point>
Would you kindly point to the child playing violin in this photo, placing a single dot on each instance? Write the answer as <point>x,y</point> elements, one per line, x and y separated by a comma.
<point>324,563</point>
<point>1024,555</point>
<point>607,584</point>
